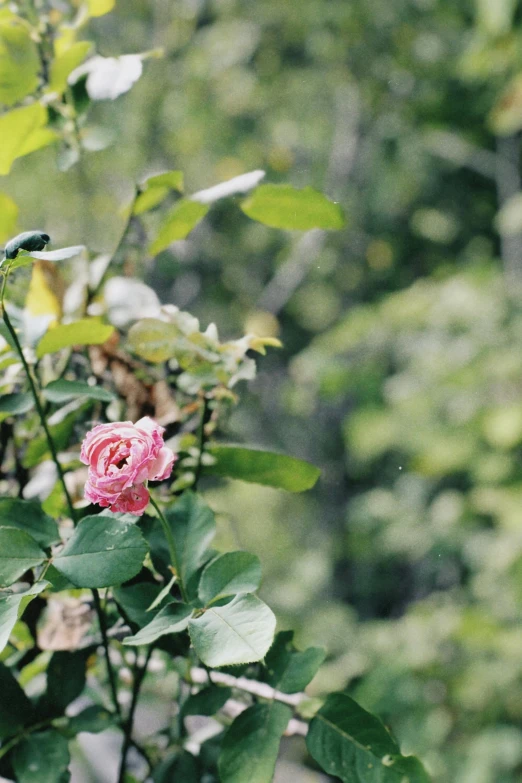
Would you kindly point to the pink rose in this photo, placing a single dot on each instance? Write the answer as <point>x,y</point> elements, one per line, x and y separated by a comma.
<point>122,457</point>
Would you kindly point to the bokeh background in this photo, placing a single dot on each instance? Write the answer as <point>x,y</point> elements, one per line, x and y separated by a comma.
<point>401,373</point>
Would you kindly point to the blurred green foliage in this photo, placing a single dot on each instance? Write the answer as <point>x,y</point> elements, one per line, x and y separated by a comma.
<point>402,333</point>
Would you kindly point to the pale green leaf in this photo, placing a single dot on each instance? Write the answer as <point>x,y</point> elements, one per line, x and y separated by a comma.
<point>18,553</point>
<point>22,132</point>
<point>263,467</point>
<point>180,221</point>
<point>61,391</point>
<point>100,7</point>
<point>87,331</point>
<point>229,574</point>
<point>19,61</point>
<point>153,339</point>
<point>239,632</point>
<point>65,63</point>
<point>283,206</point>
<point>8,217</point>
<point>173,618</point>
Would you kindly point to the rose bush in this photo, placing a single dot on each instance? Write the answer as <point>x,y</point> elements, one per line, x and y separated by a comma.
<point>122,457</point>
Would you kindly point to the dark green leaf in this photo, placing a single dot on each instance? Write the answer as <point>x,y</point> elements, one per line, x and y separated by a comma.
<point>62,391</point>
<point>18,553</point>
<point>251,744</point>
<point>180,221</point>
<point>29,516</point>
<point>16,711</point>
<point>135,600</point>
<point>102,552</point>
<point>42,758</point>
<point>16,403</point>
<point>207,701</point>
<point>263,467</point>
<point>182,767</point>
<point>289,670</point>
<point>93,719</point>
<point>173,618</point>
<point>193,527</point>
<point>354,745</point>
<point>282,206</point>
<point>229,574</point>
<point>65,680</point>
<point>239,632</point>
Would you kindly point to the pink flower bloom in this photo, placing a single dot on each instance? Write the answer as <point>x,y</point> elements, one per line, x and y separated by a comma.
<point>122,457</point>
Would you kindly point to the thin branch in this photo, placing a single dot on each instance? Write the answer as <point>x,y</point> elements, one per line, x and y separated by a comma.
<point>139,676</point>
<point>256,688</point>
<point>105,640</point>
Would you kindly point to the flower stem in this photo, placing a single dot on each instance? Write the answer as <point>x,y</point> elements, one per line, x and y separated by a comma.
<point>36,397</point>
<point>139,676</point>
<point>172,547</point>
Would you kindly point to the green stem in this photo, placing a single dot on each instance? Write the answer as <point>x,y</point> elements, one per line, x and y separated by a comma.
<point>172,547</point>
<point>139,676</point>
<point>103,629</point>
<point>36,397</point>
<point>61,475</point>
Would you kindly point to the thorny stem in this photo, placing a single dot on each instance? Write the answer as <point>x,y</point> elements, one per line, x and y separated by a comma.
<point>139,676</point>
<point>61,476</point>
<point>172,547</point>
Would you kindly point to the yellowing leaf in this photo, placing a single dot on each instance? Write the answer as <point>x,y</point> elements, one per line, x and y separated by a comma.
<point>42,296</point>
<point>100,7</point>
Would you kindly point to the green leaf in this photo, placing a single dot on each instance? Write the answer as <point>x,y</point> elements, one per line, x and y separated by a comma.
<point>16,711</point>
<point>193,527</point>
<point>12,606</point>
<point>62,391</point>
<point>22,132</point>
<point>65,63</point>
<point>100,7</point>
<point>135,601</point>
<point>87,331</point>
<point>156,189</point>
<point>289,670</point>
<point>16,403</point>
<point>207,701</point>
<point>42,757</point>
<point>229,574</point>
<point>102,552</point>
<point>66,678</point>
<point>239,632</point>
<point>354,745</point>
<point>93,719</point>
<point>173,618</point>
<point>282,206</point>
<point>29,516</point>
<point>263,467</point>
<point>18,553</point>
<point>153,339</point>
<point>251,744</point>
<point>19,61</point>
<point>180,221</point>
<point>61,432</point>
<point>182,767</point>
<point>8,217</point>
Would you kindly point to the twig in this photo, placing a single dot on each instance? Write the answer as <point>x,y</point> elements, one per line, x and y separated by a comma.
<point>105,640</point>
<point>256,688</point>
<point>139,676</point>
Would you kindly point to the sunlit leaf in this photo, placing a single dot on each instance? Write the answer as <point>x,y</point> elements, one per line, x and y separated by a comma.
<point>282,206</point>
<point>263,467</point>
<point>88,331</point>
<point>100,7</point>
<point>231,187</point>
<point>8,217</point>
<point>22,132</point>
<point>63,65</point>
<point>180,221</point>
<point>19,61</point>
<point>239,632</point>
